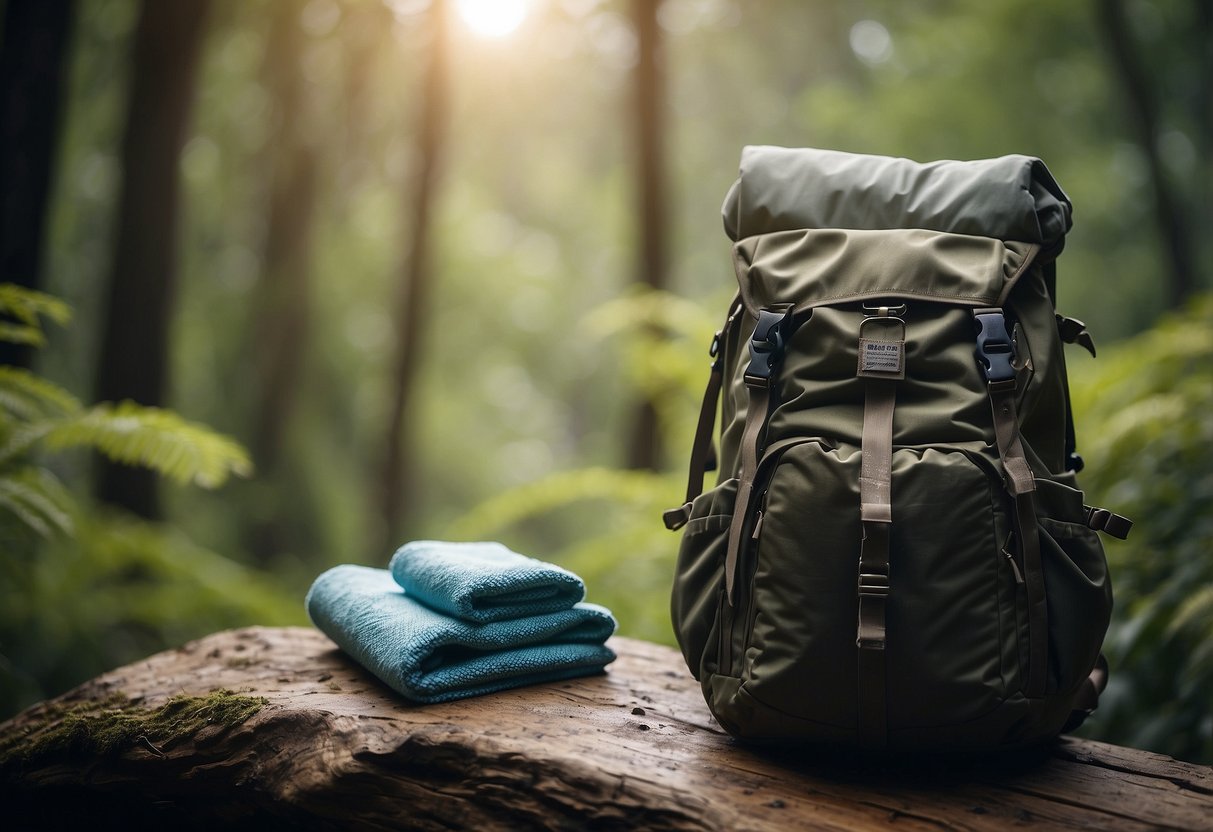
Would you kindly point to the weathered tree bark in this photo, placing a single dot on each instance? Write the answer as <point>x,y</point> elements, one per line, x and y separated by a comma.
<point>32,59</point>
<point>416,279</point>
<point>133,358</point>
<point>644,447</point>
<point>632,749</point>
<point>1142,102</point>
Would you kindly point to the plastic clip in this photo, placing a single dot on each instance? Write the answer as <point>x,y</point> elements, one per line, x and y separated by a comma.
<point>994,349</point>
<point>767,343</point>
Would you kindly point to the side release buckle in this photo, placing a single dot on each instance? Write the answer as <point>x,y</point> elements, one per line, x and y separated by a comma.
<point>994,349</point>
<point>767,344</point>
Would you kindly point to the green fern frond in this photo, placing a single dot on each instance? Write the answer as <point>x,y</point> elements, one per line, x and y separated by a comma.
<point>38,500</point>
<point>158,439</point>
<point>29,306</point>
<point>23,438</point>
<point>22,334</point>
<point>28,395</point>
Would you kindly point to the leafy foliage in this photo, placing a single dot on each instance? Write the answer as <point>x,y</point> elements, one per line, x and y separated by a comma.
<point>119,589</point>
<point>155,438</point>
<point>34,410</point>
<point>84,589</point>
<point>1146,426</point>
<point>24,309</point>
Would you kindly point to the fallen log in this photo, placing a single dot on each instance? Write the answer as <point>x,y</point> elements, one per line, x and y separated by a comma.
<point>276,728</point>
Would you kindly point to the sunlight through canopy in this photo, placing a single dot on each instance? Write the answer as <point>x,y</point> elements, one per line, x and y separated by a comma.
<point>492,18</point>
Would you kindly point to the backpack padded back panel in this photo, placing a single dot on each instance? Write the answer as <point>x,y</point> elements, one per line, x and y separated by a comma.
<point>896,553</point>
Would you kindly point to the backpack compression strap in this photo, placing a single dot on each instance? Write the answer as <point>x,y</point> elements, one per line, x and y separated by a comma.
<point>881,365</point>
<point>771,334</point>
<point>994,353</point>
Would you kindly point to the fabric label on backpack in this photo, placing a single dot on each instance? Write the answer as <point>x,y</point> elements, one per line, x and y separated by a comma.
<point>881,359</point>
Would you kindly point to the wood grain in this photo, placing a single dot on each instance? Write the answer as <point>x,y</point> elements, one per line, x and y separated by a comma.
<point>632,749</point>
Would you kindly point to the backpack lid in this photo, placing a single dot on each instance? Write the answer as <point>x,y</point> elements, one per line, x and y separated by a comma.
<point>815,267</point>
<point>1009,198</point>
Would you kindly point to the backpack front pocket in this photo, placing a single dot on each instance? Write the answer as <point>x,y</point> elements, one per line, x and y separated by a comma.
<point>952,649</point>
<point>797,633</point>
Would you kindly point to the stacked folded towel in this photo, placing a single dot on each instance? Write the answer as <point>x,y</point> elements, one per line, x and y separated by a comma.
<point>449,620</point>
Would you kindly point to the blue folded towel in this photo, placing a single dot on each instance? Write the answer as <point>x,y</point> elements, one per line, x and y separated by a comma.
<point>431,657</point>
<point>483,581</point>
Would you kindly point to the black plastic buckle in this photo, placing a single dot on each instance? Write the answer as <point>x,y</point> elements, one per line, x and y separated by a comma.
<point>994,349</point>
<point>767,343</point>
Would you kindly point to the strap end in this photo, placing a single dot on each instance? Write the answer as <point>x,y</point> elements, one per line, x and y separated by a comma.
<point>676,518</point>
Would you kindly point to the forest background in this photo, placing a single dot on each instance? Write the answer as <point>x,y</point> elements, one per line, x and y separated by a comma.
<point>449,270</point>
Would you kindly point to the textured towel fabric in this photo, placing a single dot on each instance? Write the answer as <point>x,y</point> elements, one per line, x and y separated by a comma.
<point>483,582</point>
<point>431,657</point>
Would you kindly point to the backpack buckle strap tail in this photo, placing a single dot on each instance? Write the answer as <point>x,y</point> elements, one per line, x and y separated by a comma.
<point>1074,331</point>
<point>1102,520</point>
<point>995,354</point>
<point>876,516</point>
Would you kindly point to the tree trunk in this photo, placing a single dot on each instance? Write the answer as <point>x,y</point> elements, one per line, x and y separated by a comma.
<point>1204,127</point>
<point>416,279</point>
<point>32,61</point>
<point>282,296</point>
<point>1142,102</point>
<point>133,358</point>
<point>635,748</point>
<point>644,447</point>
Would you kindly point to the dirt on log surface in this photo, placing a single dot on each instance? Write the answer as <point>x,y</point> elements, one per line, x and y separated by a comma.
<point>275,728</point>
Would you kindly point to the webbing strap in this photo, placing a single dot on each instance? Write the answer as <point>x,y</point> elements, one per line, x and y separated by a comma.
<point>755,420</point>
<point>995,356</point>
<point>1022,485</point>
<point>766,353</point>
<point>701,448</point>
<point>876,515</point>
<point>1072,331</point>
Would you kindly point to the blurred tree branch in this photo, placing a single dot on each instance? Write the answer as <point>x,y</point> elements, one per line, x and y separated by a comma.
<point>644,447</point>
<point>1142,103</point>
<point>399,467</point>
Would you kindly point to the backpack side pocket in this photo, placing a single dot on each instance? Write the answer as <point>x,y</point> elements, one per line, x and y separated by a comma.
<point>1077,587</point>
<point>699,581</point>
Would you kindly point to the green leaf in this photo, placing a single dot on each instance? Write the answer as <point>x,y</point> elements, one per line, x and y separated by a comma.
<point>29,305</point>
<point>22,334</point>
<point>38,500</point>
<point>19,384</point>
<point>24,438</point>
<point>159,439</point>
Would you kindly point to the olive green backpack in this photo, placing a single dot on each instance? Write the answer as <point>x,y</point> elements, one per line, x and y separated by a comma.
<point>896,553</point>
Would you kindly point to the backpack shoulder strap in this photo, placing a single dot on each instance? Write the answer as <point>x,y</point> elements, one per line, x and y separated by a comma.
<point>701,448</point>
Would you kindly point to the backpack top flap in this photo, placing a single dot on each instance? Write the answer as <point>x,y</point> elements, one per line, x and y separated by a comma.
<point>813,267</point>
<point>1011,197</point>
